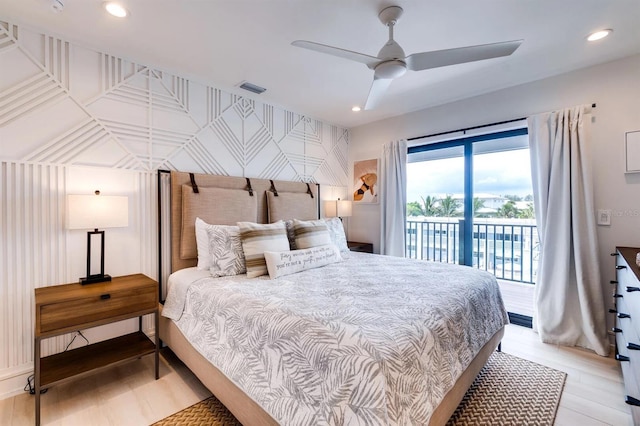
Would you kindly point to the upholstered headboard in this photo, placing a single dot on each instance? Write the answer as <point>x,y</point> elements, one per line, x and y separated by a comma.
<point>225,200</point>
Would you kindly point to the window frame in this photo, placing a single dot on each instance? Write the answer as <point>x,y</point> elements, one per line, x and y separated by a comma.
<point>467,142</point>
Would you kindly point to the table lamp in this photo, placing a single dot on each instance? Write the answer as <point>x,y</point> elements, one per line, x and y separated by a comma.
<point>337,208</point>
<point>96,212</point>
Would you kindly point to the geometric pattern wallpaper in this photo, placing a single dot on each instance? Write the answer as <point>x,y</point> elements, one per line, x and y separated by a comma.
<point>63,107</point>
<point>64,104</point>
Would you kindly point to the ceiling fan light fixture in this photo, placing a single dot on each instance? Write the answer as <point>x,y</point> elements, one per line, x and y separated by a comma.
<point>599,35</point>
<point>390,69</point>
<point>115,9</point>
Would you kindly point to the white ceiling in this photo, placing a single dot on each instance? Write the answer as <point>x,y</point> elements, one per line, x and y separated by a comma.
<point>224,42</point>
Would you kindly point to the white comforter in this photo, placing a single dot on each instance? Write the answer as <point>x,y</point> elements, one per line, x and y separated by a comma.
<point>373,340</point>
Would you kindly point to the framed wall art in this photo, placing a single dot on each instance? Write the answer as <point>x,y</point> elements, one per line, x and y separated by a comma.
<point>365,181</point>
<point>632,152</point>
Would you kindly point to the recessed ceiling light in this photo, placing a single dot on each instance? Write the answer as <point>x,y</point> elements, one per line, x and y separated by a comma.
<point>355,108</point>
<point>116,9</point>
<point>598,35</point>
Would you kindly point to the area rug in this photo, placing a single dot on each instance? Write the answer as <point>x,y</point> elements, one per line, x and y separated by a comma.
<point>508,391</point>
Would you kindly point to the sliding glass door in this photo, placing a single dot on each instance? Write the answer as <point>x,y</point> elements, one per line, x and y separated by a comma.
<point>470,202</point>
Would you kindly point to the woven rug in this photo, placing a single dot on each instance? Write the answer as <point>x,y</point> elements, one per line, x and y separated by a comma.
<point>508,391</point>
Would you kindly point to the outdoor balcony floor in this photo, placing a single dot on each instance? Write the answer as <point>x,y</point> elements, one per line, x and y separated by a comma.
<point>518,297</point>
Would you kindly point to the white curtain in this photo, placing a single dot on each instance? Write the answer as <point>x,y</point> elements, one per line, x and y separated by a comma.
<point>393,198</point>
<point>569,307</point>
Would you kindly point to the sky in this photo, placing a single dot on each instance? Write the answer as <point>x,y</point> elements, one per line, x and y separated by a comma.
<point>499,173</point>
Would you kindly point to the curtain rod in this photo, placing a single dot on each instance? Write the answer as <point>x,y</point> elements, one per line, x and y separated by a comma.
<point>473,128</point>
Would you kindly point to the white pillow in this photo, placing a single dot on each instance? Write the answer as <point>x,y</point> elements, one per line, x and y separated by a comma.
<point>310,233</point>
<point>336,233</point>
<point>225,251</point>
<point>202,244</point>
<point>290,262</point>
<point>258,238</point>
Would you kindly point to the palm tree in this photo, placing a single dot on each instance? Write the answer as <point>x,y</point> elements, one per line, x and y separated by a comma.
<point>477,205</point>
<point>448,206</point>
<point>429,205</point>
<point>508,210</point>
<point>528,213</point>
<point>414,209</point>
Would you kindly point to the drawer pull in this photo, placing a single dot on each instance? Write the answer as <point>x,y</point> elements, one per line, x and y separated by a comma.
<point>613,282</point>
<point>616,330</point>
<point>614,254</point>
<point>615,295</point>
<point>622,357</point>
<point>621,267</point>
<point>633,346</point>
<point>613,311</point>
<point>105,296</point>
<point>631,400</point>
<point>624,315</point>
<point>630,289</point>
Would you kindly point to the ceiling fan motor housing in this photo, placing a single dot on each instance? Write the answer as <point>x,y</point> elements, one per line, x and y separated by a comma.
<point>390,69</point>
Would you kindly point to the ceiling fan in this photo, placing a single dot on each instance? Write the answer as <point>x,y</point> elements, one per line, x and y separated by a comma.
<point>391,61</point>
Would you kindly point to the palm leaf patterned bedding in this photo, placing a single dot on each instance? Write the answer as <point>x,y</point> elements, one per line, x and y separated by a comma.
<point>372,340</point>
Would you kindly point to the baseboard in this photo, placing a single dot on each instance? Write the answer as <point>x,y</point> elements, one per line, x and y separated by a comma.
<point>13,381</point>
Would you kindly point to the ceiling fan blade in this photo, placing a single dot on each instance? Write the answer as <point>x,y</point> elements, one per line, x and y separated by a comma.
<point>370,61</point>
<point>460,55</point>
<point>378,87</point>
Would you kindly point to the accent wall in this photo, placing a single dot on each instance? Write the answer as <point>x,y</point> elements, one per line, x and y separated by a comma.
<point>73,120</point>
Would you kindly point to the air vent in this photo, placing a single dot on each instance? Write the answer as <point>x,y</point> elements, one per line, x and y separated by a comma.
<point>252,87</point>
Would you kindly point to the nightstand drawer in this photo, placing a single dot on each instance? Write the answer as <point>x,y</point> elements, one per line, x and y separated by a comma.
<point>72,314</point>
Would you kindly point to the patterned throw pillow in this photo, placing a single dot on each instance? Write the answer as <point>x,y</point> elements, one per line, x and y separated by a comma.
<point>336,232</point>
<point>310,233</point>
<point>291,234</point>
<point>225,251</point>
<point>258,238</point>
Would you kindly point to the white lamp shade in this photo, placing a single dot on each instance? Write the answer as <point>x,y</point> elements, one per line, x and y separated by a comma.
<point>330,208</point>
<point>344,208</point>
<point>337,208</point>
<point>97,211</point>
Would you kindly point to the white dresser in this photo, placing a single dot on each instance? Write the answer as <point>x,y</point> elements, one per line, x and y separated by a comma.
<point>627,329</point>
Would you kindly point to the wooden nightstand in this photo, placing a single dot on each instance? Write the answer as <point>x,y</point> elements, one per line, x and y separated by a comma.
<point>362,247</point>
<point>71,307</point>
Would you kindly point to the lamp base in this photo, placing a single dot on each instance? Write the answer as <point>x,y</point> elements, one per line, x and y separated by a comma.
<point>98,278</point>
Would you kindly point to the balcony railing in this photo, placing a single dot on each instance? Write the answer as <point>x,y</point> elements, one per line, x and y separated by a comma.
<point>507,248</point>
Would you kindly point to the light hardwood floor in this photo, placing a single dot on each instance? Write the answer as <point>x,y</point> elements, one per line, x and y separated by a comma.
<point>128,395</point>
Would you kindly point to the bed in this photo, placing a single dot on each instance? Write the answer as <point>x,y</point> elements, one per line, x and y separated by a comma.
<point>367,339</point>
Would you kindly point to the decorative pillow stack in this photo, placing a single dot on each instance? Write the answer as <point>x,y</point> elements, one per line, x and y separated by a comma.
<point>277,249</point>
<point>258,238</point>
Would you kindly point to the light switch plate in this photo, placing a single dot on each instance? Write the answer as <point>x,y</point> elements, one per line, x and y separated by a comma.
<point>604,217</point>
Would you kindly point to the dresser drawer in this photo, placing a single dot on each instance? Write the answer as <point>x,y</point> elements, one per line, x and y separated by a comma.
<point>631,387</point>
